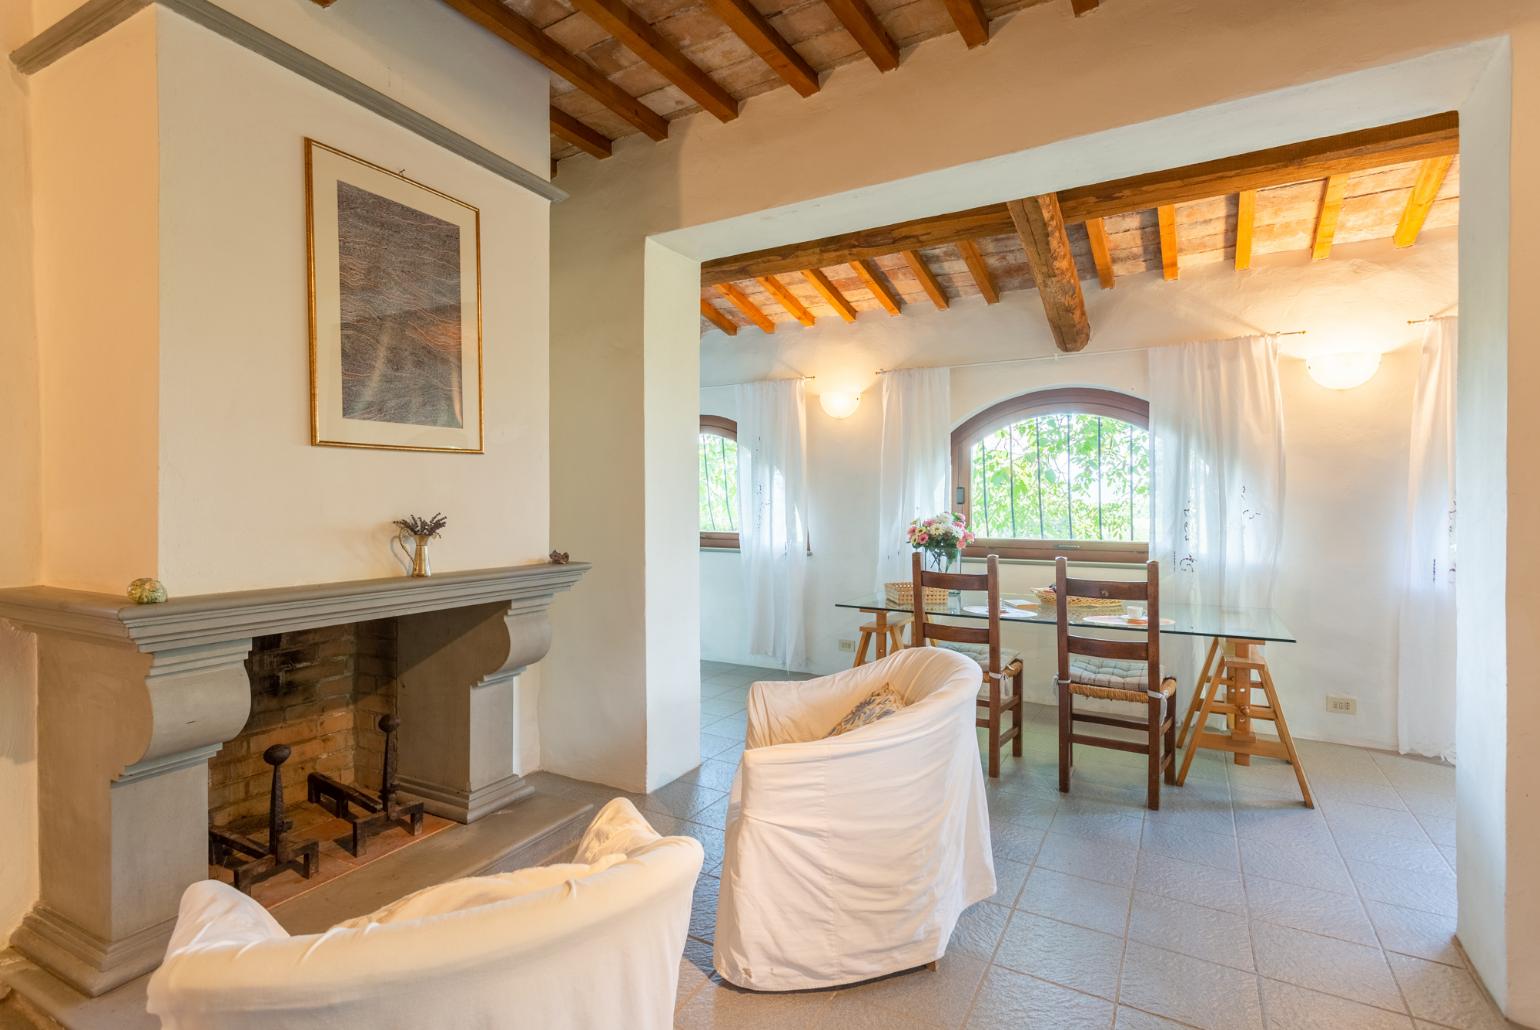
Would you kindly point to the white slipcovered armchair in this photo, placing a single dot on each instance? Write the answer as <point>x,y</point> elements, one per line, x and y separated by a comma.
<point>851,857</point>
<point>594,943</point>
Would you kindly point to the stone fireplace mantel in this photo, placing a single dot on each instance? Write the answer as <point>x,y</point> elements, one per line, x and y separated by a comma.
<point>134,699</point>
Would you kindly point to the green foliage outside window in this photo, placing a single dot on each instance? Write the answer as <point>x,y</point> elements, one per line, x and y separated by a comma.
<point>718,484</point>
<point>1063,476</point>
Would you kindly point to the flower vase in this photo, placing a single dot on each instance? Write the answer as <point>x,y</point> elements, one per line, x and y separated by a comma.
<point>945,559</point>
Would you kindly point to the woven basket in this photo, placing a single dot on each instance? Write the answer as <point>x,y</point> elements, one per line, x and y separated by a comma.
<point>901,595</point>
<point>1110,604</point>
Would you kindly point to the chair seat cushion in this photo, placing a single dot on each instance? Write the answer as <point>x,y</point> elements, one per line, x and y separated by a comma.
<point>1114,678</point>
<point>980,653</point>
<point>877,705</point>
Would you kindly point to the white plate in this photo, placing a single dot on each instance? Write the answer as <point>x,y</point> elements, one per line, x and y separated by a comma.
<point>1122,620</point>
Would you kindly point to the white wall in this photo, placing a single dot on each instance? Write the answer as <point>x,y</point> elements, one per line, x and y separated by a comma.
<point>1347,451</point>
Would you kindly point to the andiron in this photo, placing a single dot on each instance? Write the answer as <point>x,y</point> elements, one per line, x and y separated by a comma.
<point>253,861</point>
<point>377,811</point>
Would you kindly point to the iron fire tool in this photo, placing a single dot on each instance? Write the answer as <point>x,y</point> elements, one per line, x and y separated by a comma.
<point>379,812</point>
<point>251,860</point>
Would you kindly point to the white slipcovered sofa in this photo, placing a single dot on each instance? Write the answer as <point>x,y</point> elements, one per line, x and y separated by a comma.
<point>851,857</point>
<point>594,943</point>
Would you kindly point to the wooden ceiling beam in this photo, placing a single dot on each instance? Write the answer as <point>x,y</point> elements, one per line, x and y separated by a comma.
<point>1420,139</point>
<point>638,35</point>
<point>861,22</point>
<point>830,293</point>
<point>788,300</point>
<point>927,279</point>
<point>1434,136</point>
<point>1169,258</point>
<point>1326,219</point>
<point>1245,224</point>
<point>1040,225</point>
<point>1101,253</point>
<point>750,310</point>
<point>971,21</point>
<point>716,318</point>
<point>885,296</point>
<point>1430,179</point>
<point>524,35</point>
<point>1083,7</point>
<point>979,269</point>
<point>761,37</point>
<point>585,138</point>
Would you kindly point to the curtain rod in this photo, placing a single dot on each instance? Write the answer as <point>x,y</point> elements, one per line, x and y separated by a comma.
<point>772,379</point>
<point>1052,357</point>
<point>1424,321</point>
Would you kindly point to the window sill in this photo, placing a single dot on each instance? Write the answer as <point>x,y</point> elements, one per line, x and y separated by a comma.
<point>1051,562</point>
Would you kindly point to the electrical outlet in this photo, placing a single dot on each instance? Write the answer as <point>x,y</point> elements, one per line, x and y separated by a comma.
<point>1341,705</point>
<point>847,645</point>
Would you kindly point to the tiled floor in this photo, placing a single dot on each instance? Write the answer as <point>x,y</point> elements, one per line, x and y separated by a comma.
<point>1232,907</point>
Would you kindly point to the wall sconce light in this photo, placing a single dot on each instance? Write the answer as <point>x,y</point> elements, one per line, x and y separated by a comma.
<point>839,405</point>
<point>1343,370</point>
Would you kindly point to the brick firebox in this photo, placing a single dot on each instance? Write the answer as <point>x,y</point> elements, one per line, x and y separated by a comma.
<point>320,691</point>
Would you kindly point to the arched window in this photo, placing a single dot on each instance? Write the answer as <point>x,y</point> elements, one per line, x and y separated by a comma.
<point>718,481</point>
<point>1054,472</point>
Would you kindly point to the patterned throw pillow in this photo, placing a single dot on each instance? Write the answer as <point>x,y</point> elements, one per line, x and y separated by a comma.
<point>879,704</point>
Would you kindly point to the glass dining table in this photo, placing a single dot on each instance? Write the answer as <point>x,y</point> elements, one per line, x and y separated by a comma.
<point>1233,667</point>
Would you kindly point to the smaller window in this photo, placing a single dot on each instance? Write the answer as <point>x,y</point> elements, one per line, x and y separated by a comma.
<point>718,481</point>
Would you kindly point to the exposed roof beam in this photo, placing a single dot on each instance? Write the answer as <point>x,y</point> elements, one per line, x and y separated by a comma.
<point>1096,231</point>
<point>971,21</point>
<point>1245,223</point>
<point>1082,7</point>
<point>979,269</point>
<point>1434,136</point>
<point>586,139</point>
<point>927,279</point>
<point>748,307</point>
<point>788,299</point>
<point>718,319</point>
<point>1422,138</point>
<point>830,293</point>
<point>861,22</point>
<point>756,31</point>
<point>520,32</point>
<point>885,296</point>
<point>1326,220</point>
<point>1166,214</point>
<point>1430,179</point>
<point>638,35</point>
<point>1040,225</point>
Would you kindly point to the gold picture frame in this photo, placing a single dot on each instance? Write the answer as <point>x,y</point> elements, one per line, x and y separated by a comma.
<point>395,307</point>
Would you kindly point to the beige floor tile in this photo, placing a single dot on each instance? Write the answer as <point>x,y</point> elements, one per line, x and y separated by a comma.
<point>1094,860</point>
<point>1445,995</point>
<point>703,908</point>
<point>1133,1019</point>
<point>1326,964</point>
<point>1098,822</point>
<point>1070,899</point>
<point>1200,847</point>
<point>1342,815</point>
<point>1206,933</point>
<point>1009,878</point>
<point>1014,1001</point>
<point>1071,956</point>
<point>1427,891</point>
<point>1189,990</point>
<point>1439,831</point>
<point>1307,866</point>
<point>1396,852</point>
<point>1187,881</point>
<point>1305,908</point>
<point>850,1012</point>
<point>978,931</point>
<point>722,1007</point>
<point>1288,1007</point>
<point>1331,789</point>
<point>1031,809</point>
<point>939,998</point>
<point>1424,935</point>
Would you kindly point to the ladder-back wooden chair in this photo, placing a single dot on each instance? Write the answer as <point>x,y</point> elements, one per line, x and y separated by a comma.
<point>1115,670</point>
<point>996,665</point>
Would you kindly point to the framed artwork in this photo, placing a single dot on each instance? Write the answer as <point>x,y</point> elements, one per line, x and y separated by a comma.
<point>395,309</point>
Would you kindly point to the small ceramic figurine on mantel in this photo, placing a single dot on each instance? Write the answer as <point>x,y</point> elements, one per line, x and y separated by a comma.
<point>147,591</point>
<point>414,558</point>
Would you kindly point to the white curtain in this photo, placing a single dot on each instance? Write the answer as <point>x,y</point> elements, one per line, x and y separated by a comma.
<point>916,461</point>
<point>1216,434</point>
<point>1425,699</point>
<point>772,510</point>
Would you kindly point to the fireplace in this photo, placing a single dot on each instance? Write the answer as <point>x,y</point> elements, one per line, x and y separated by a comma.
<point>150,717</point>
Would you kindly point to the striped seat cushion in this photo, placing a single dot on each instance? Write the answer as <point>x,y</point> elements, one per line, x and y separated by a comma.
<point>1112,677</point>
